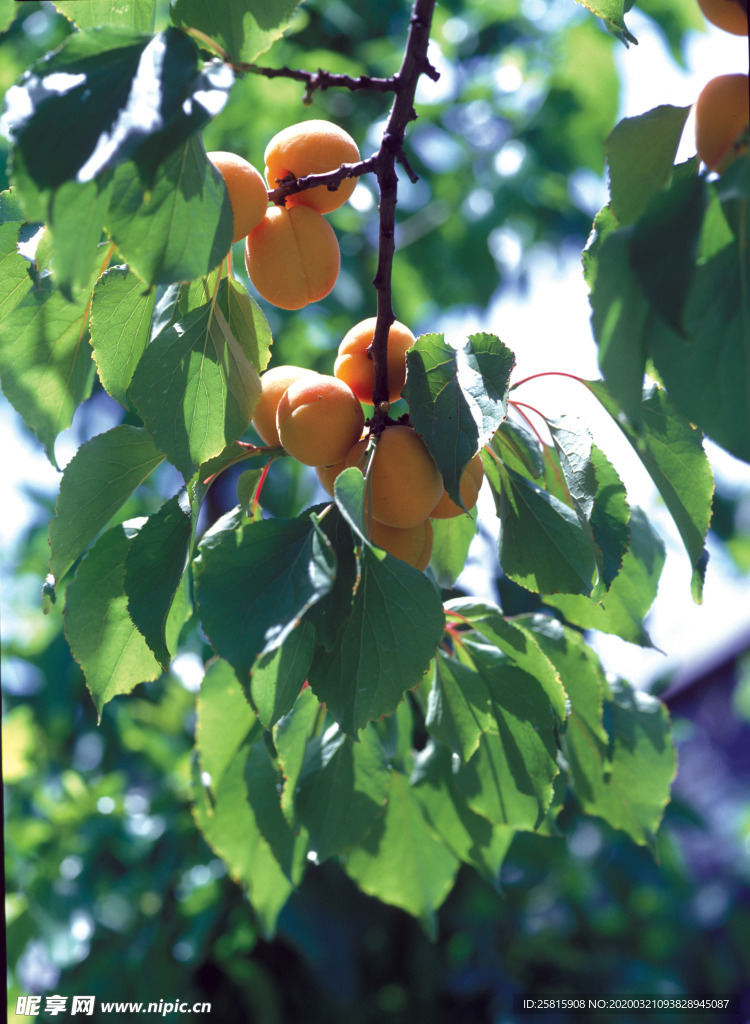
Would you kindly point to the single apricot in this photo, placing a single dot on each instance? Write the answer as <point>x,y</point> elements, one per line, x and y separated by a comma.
<point>355,366</point>
<point>273,384</point>
<point>731,15</point>
<point>426,553</point>
<point>312,147</point>
<point>292,257</point>
<point>246,188</point>
<point>722,112</point>
<point>318,420</point>
<point>327,475</point>
<point>404,483</point>
<point>471,481</point>
<point>407,544</point>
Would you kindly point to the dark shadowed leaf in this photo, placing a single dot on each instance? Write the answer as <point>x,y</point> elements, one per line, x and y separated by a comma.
<point>278,677</point>
<point>341,790</point>
<point>154,569</point>
<point>255,581</point>
<point>457,398</point>
<point>458,708</point>
<point>263,794</point>
<point>451,539</point>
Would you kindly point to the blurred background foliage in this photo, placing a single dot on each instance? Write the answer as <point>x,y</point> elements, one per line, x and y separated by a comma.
<point>111,889</point>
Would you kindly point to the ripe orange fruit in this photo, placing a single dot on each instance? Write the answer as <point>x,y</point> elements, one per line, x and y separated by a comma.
<point>246,188</point>
<point>354,365</point>
<point>731,15</point>
<point>722,112</point>
<point>312,147</point>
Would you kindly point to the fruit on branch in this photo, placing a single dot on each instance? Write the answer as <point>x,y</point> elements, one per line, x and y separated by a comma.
<point>471,481</point>
<point>328,474</point>
<point>722,112</point>
<point>412,544</point>
<point>404,483</point>
<point>311,147</point>
<point>292,257</point>
<point>355,365</point>
<point>273,384</point>
<point>731,15</point>
<point>246,188</point>
<point>318,420</point>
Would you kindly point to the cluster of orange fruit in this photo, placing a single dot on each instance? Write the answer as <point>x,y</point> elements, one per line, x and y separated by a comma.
<point>291,251</point>
<point>722,110</point>
<point>318,419</point>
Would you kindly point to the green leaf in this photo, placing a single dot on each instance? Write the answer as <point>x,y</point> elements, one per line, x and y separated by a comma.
<point>231,830</point>
<point>14,269</point>
<point>619,317</point>
<point>330,614</point>
<point>518,449</point>
<point>105,96</point>
<point>385,647</point>
<point>708,375</point>
<point>664,246</point>
<point>181,228</point>
<point>471,837</point>
<point>342,790</point>
<point>108,647</point>
<point>290,736</point>
<point>641,153</point>
<point>671,449</point>
<point>458,708</point>
<point>623,608</point>
<point>451,540</point>
<point>263,794</point>
<point>195,388</point>
<point>97,481</point>
<point>224,720</point>
<point>457,398</point>
<point>402,862</point>
<point>137,15</point>
<point>624,779</point>
<point>612,13</point>
<point>75,218</point>
<point>45,361</point>
<point>244,28</point>
<point>542,545</point>
<point>154,569</point>
<point>121,310</point>
<point>277,678</point>
<point>516,641</point>
<point>509,780</point>
<point>255,582</point>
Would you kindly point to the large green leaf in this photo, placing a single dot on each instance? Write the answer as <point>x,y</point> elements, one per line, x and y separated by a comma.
<point>76,214</point>
<point>671,449</point>
<point>121,310</point>
<point>264,782</point>
<point>341,790</point>
<point>458,708</point>
<point>509,780</point>
<point>254,582</point>
<point>451,540</point>
<point>277,678</point>
<point>640,153</point>
<point>457,398</point>
<point>106,95</point>
<point>516,641</point>
<point>469,835</point>
<point>108,647</point>
<point>624,778</point>
<point>622,609</point>
<point>156,563</point>
<point>97,481</point>
<point>195,388</point>
<point>543,546</point>
<point>402,862</point>
<point>243,28</point>
<point>45,360</point>
<point>137,15</point>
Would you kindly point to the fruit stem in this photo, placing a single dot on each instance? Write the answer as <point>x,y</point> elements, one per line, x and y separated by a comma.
<point>549,373</point>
